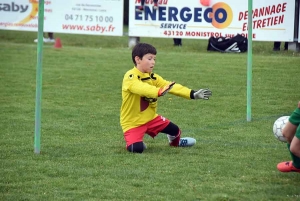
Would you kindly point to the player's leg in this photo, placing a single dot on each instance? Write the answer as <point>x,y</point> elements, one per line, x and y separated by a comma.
<point>286,46</point>
<point>174,135</point>
<point>289,131</point>
<point>173,132</point>
<point>163,125</point>
<point>50,38</point>
<point>177,41</point>
<point>141,7</point>
<point>276,46</point>
<point>155,4</point>
<point>294,149</point>
<point>291,126</point>
<point>51,35</point>
<point>137,147</point>
<point>134,139</point>
<point>36,40</point>
<point>293,143</point>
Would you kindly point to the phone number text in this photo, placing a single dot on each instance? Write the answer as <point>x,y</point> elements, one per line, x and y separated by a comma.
<point>88,18</point>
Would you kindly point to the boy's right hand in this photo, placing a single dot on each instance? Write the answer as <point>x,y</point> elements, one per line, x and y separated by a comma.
<point>166,89</point>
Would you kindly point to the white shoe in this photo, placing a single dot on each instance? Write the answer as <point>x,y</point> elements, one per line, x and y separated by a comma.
<point>49,40</point>
<point>45,40</point>
<point>187,142</point>
<point>36,40</point>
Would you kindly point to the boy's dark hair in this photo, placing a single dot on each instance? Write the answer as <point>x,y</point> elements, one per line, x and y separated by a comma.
<point>141,49</point>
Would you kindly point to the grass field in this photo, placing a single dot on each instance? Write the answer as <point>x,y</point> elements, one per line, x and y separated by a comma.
<point>83,154</point>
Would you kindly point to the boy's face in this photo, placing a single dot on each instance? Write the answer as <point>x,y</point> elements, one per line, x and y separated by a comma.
<point>146,64</point>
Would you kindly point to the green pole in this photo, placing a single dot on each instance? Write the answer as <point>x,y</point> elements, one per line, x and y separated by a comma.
<point>249,62</point>
<point>38,100</point>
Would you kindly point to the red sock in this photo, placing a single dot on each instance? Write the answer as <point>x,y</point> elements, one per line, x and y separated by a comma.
<point>175,142</point>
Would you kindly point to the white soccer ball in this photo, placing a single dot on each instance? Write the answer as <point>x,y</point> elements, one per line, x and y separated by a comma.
<point>278,126</point>
<point>132,42</point>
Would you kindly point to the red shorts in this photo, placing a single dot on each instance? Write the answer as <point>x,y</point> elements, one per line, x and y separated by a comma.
<point>151,128</point>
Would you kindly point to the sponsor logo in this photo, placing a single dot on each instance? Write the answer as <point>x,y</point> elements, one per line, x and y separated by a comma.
<point>13,7</point>
<point>220,15</point>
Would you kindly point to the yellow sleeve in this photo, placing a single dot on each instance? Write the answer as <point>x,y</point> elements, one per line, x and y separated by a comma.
<point>136,86</point>
<point>177,89</point>
<point>181,91</point>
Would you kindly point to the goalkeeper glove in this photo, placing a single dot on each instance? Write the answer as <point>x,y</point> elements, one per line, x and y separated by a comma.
<point>202,94</point>
<point>165,89</point>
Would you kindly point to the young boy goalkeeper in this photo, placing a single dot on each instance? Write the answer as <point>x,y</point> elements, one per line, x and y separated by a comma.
<point>141,89</point>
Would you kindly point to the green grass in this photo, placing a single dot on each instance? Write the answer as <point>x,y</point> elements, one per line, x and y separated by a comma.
<point>83,154</point>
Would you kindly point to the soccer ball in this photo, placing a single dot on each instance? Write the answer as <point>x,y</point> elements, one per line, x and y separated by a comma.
<point>278,126</point>
<point>132,41</point>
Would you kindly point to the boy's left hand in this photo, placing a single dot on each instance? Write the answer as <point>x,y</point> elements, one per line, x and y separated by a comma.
<point>203,94</point>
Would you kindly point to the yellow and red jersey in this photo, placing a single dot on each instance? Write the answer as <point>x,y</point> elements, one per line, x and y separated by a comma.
<point>139,97</point>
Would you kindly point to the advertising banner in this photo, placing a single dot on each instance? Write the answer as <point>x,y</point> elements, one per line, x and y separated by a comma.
<point>272,20</point>
<point>95,17</point>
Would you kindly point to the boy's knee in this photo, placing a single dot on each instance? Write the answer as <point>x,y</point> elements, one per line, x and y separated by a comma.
<point>295,150</point>
<point>171,129</point>
<point>288,136</point>
<point>295,145</point>
<point>137,147</point>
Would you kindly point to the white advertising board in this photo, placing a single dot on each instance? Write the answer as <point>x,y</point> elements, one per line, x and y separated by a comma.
<point>272,20</point>
<point>94,17</point>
